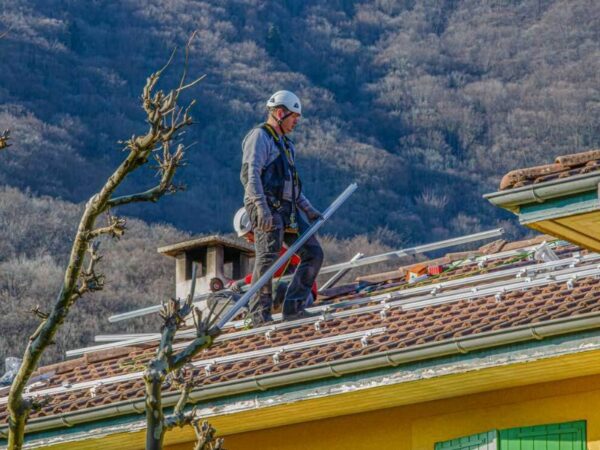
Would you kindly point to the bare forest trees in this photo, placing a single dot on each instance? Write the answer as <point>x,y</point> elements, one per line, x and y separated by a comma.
<point>166,120</point>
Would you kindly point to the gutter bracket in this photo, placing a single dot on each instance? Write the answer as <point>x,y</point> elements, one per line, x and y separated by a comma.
<point>136,408</point>
<point>460,348</point>
<point>535,334</point>
<point>390,361</point>
<point>64,420</point>
<point>259,386</point>
<point>334,372</point>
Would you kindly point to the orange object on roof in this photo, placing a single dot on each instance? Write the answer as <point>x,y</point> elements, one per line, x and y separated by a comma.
<point>416,271</point>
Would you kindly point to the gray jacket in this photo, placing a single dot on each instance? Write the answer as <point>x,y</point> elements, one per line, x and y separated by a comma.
<point>258,151</point>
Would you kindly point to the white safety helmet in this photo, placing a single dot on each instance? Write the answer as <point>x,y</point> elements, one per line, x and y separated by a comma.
<point>241,222</point>
<point>287,99</point>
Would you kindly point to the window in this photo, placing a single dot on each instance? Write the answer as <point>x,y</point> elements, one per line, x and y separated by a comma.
<point>561,436</point>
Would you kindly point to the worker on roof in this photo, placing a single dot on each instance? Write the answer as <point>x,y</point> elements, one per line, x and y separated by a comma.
<point>276,206</point>
<point>243,228</point>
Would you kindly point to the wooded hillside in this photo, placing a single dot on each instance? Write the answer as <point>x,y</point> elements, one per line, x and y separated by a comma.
<point>426,104</point>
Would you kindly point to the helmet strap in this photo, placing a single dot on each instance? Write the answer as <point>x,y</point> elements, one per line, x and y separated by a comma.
<point>280,121</point>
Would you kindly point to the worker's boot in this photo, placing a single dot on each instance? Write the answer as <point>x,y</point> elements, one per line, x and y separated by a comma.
<point>293,310</point>
<point>262,312</point>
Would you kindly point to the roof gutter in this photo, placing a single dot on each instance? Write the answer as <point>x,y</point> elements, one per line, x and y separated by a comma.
<point>390,358</point>
<point>538,193</point>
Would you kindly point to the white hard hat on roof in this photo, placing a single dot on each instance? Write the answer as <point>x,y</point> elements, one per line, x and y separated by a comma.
<point>241,222</point>
<point>287,99</point>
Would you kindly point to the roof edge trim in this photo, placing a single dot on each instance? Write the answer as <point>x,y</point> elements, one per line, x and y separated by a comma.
<point>511,199</point>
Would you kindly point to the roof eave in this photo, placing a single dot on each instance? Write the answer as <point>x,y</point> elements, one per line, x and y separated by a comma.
<point>512,199</point>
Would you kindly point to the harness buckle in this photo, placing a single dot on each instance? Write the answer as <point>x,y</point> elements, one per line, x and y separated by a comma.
<point>292,228</point>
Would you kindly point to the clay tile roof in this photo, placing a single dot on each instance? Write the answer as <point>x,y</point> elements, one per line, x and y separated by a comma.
<point>343,334</point>
<point>563,167</point>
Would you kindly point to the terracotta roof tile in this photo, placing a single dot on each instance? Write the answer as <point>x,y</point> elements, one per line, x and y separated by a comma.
<point>563,167</point>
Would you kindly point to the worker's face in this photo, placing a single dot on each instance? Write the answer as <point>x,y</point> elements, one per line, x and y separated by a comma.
<point>290,122</point>
<point>249,236</point>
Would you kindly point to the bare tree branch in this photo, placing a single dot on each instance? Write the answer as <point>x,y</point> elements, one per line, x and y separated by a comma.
<point>179,418</point>
<point>205,437</point>
<point>89,281</point>
<point>165,363</point>
<point>115,228</point>
<point>167,165</point>
<point>79,280</point>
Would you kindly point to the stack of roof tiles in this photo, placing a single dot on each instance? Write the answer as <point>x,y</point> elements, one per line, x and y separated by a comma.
<point>563,167</point>
<point>372,314</point>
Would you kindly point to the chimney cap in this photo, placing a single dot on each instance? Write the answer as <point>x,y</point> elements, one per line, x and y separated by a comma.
<point>207,241</point>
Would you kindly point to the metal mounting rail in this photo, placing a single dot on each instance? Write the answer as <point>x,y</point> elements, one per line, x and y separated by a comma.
<point>123,337</point>
<point>338,276</point>
<point>397,254</point>
<point>568,275</point>
<point>508,253</point>
<point>434,290</point>
<point>151,309</point>
<point>217,360</point>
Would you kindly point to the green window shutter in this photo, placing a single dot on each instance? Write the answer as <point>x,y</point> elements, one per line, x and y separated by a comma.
<point>561,436</point>
<point>481,441</point>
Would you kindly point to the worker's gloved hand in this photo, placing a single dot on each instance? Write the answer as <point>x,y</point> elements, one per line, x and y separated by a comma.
<point>313,214</point>
<point>264,218</point>
<point>236,286</point>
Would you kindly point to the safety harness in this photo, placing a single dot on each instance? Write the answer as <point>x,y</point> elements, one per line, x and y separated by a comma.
<point>285,167</point>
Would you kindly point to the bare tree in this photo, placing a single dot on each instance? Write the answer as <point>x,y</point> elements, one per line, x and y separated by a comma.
<point>167,364</point>
<point>166,120</point>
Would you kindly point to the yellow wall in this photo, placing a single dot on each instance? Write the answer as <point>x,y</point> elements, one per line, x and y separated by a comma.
<point>418,427</point>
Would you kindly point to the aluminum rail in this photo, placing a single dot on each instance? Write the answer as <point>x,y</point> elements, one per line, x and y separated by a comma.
<point>515,276</point>
<point>302,345</point>
<point>397,254</point>
<point>334,279</point>
<point>508,253</point>
<point>150,309</point>
<point>243,301</point>
<point>566,275</point>
<point>123,337</point>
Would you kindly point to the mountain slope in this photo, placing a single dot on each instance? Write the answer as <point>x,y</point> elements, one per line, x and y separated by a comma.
<point>425,104</point>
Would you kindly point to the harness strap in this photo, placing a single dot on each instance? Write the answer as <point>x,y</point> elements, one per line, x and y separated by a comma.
<point>289,164</point>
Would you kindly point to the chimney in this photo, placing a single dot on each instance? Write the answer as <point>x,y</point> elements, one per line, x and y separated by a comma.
<point>219,259</point>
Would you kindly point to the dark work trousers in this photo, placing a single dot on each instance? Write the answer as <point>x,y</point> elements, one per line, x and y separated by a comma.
<point>267,246</point>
